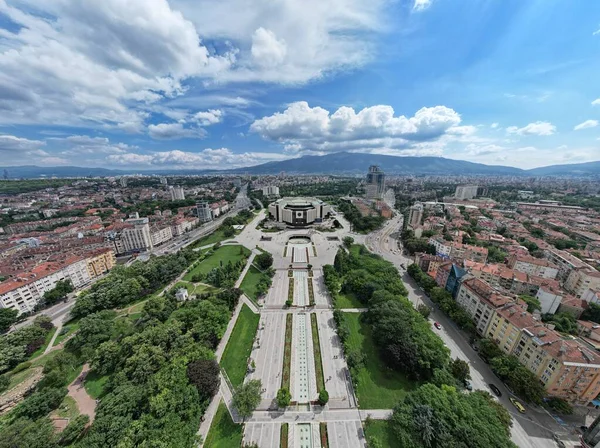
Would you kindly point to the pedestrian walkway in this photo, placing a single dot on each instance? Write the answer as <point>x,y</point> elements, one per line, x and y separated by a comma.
<point>54,336</point>
<point>355,310</point>
<point>85,403</point>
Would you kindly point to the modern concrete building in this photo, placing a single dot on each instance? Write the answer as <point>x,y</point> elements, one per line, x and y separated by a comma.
<point>415,215</point>
<point>375,184</point>
<point>123,182</point>
<point>466,192</point>
<point>533,266</point>
<point>163,181</point>
<point>591,437</point>
<point>270,191</point>
<point>138,236</point>
<point>299,212</point>
<point>177,193</point>
<point>204,212</point>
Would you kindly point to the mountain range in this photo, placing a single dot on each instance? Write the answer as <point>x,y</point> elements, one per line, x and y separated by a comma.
<point>337,163</point>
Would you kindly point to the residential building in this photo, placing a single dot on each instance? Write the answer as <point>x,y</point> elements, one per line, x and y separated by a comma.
<point>580,280</point>
<point>203,210</point>
<point>480,301</point>
<point>591,437</point>
<point>123,182</point>
<point>100,262</point>
<point>443,273</point>
<point>550,297</point>
<point>415,215</point>
<point>565,262</point>
<point>533,266</point>
<point>270,191</point>
<point>442,247</point>
<point>137,237</point>
<point>160,234</point>
<point>177,193</point>
<point>163,181</point>
<point>591,296</point>
<point>428,262</point>
<point>506,325</point>
<point>375,183</point>
<point>455,277</point>
<point>466,192</point>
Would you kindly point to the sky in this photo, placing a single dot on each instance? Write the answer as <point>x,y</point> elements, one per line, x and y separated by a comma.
<point>212,84</point>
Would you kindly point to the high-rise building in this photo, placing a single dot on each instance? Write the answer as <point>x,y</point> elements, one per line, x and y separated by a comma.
<point>123,181</point>
<point>204,213</point>
<point>270,191</point>
<point>415,215</point>
<point>375,187</point>
<point>163,181</point>
<point>466,192</point>
<point>177,193</point>
<point>237,182</point>
<point>591,437</point>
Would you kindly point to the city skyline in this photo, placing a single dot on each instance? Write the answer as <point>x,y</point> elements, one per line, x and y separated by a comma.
<point>208,86</point>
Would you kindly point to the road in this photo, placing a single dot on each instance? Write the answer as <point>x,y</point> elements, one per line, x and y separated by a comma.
<point>535,428</point>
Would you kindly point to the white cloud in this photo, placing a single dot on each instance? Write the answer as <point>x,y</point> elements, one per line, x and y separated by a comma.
<point>267,50</point>
<point>586,125</point>
<point>596,102</point>
<point>304,128</point>
<point>477,150</point>
<point>208,158</point>
<point>84,144</point>
<point>421,5</point>
<point>208,117</point>
<point>17,144</point>
<point>537,128</point>
<point>173,131</point>
<point>494,125</point>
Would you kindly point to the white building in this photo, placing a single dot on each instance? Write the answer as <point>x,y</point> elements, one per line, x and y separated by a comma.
<point>415,215</point>
<point>270,190</point>
<point>466,192</point>
<point>525,194</point>
<point>299,212</point>
<point>123,182</point>
<point>160,235</point>
<point>177,193</point>
<point>182,294</point>
<point>565,261</point>
<point>533,266</point>
<point>163,181</point>
<point>591,296</point>
<point>550,298</point>
<point>204,213</point>
<point>442,247</point>
<point>580,280</point>
<point>138,237</point>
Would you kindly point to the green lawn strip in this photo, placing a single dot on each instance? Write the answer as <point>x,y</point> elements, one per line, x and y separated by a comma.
<point>291,288</point>
<point>67,330</point>
<point>311,292</point>
<point>94,384</point>
<point>323,435</point>
<point>216,237</point>
<point>223,432</point>
<point>377,386</point>
<point>287,353</point>
<point>40,350</point>
<point>202,288</point>
<point>68,408</point>
<point>317,353</point>
<point>223,254</point>
<point>349,300</point>
<point>355,249</point>
<point>238,349</point>
<point>250,282</point>
<point>283,435</point>
<point>379,433</point>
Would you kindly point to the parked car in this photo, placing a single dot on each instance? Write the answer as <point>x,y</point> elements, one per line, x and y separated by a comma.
<point>475,347</point>
<point>495,389</point>
<point>437,325</point>
<point>468,385</point>
<point>517,405</point>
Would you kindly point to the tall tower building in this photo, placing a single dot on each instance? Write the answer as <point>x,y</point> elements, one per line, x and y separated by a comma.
<point>415,215</point>
<point>123,181</point>
<point>375,187</point>
<point>163,181</point>
<point>204,213</point>
<point>177,193</point>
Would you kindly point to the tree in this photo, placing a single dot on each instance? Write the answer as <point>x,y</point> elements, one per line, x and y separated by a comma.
<point>323,397</point>
<point>26,433</point>
<point>592,312</point>
<point>264,261</point>
<point>488,349</point>
<point>204,374</point>
<point>559,405</point>
<point>59,292</point>
<point>74,429</point>
<point>283,397</point>
<point>533,303</point>
<point>348,241</point>
<point>424,310</point>
<point>8,316</point>
<point>460,370</point>
<point>247,398</point>
<point>563,322</point>
<point>228,231</point>
<point>4,383</point>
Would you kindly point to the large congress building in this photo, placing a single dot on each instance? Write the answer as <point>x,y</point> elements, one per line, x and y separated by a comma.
<point>299,212</point>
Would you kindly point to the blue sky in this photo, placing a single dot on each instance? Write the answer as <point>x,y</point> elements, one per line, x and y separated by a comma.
<point>217,84</point>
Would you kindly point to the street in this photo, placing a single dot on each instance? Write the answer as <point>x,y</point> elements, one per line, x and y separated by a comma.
<point>535,428</point>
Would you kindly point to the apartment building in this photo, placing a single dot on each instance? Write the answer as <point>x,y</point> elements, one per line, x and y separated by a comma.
<point>160,235</point>
<point>442,247</point>
<point>580,280</point>
<point>415,215</point>
<point>466,192</point>
<point>506,325</point>
<point>100,262</point>
<point>533,266</point>
<point>565,262</point>
<point>469,252</point>
<point>428,262</point>
<point>480,301</point>
<point>137,237</point>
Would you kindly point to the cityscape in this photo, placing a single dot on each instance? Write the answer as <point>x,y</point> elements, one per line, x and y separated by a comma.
<point>299,224</point>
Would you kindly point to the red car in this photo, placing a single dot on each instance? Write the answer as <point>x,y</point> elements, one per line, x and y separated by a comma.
<point>437,325</point>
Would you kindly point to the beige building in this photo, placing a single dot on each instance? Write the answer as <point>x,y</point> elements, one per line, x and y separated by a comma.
<point>100,262</point>
<point>161,235</point>
<point>480,301</point>
<point>580,280</point>
<point>506,325</point>
<point>533,266</point>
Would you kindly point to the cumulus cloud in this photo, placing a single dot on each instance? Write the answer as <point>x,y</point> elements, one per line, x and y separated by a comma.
<point>13,143</point>
<point>421,5</point>
<point>537,128</point>
<point>173,131</point>
<point>208,158</point>
<point>84,144</point>
<point>267,49</point>
<point>304,128</point>
<point>596,102</point>
<point>208,117</point>
<point>586,125</point>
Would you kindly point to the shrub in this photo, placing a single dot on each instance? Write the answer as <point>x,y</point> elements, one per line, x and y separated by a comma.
<point>283,397</point>
<point>323,397</point>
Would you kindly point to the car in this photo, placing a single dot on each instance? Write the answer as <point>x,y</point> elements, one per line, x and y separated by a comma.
<point>517,405</point>
<point>437,325</point>
<point>495,389</point>
<point>468,385</point>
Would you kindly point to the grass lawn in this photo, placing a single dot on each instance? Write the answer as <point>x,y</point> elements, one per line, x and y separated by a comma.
<point>378,387</point>
<point>18,378</point>
<point>187,285</point>
<point>236,354</point>
<point>67,330</point>
<point>223,433</point>
<point>216,237</point>
<point>381,431</point>
<point>94,384</point>
<point>250,282</point>
<point>287,352</point>
<point>40,350</point>
<point>355,249</point>
<point>317,353</point>
<point>224,254</point>
<point>68,408</point>
<point>348,301</point>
